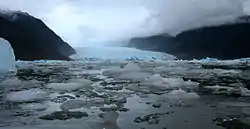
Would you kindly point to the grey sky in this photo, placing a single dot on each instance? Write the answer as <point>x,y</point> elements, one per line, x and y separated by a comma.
<point>99,21</point>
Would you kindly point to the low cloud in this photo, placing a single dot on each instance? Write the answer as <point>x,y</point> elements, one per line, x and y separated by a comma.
<point>98,22</point>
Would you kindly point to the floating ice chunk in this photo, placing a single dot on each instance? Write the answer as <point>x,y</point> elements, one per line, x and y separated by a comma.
<point>64,86</point>
<point>178,82</point>
<point>133,76</point>
<point>110,117</point>
<point>11,83</point>
<point>71,86</point>
<point>244,91</point>
<point>156,80</point>
<point>72,104</point>
<point>175,82</point>
<point>7,57</point>
<point>132,67</point>
<point>35,106</point>
<point>83,82</point>
<point>181,94</point>
<point>191,84</point>
<point>27,95</point>
<point>19,83</point>
<point>217,88</point>
<point>177,92</point>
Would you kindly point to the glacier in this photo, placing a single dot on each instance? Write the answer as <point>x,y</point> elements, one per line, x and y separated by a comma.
<point>7,57</point>
<point>119,53</point>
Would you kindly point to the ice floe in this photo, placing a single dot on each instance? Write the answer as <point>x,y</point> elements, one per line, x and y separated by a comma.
<point>133,76</point>
<point>35,106</point>
<point>244,91</point>
<point>73,104</point>
<point>72,85</point>
<point>19,83</point>
<point>157,80</point>
<point>183,95</point>
<point>26,95</point>
<point>11,82</point>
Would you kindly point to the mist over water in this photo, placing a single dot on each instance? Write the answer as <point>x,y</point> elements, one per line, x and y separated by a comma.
<point>109,22</point>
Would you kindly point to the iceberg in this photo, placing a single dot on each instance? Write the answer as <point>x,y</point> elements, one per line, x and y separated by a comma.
<point>133,76</point>
<point>183,95</point>
<point>156,80</point>
<point>169,83</point>
<point>7,57</point>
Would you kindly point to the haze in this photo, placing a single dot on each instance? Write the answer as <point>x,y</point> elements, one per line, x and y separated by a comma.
<point>111,22</point>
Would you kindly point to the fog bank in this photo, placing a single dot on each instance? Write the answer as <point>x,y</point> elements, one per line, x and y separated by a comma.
<point>105,22</point>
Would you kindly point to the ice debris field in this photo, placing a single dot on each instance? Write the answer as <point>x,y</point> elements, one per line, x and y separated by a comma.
<point>95,94</point>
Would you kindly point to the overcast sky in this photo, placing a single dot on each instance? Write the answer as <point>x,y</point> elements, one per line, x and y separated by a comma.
<point>96,22</point>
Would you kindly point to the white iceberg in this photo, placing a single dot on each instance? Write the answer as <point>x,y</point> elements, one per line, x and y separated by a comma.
<point>26,95</point>
<point>7,57</point>
<point>183,95</point>
<point>157,80</point>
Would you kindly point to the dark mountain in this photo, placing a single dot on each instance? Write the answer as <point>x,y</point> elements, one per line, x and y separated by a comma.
<point>31,39</point>
<point>229,41</point>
